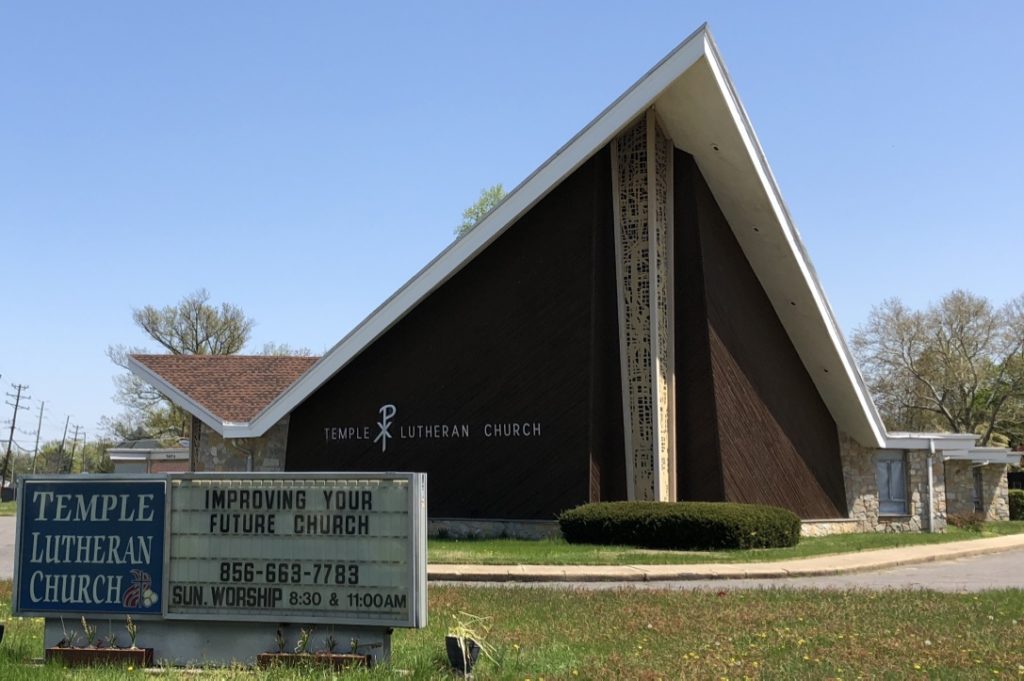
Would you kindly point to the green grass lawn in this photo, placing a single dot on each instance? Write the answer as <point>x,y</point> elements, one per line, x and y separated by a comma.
<point>558,552</point>
<point>626,634</point>
<point>7,507</point>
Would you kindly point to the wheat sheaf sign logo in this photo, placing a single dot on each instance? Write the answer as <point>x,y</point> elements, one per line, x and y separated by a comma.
<point>389,427</point>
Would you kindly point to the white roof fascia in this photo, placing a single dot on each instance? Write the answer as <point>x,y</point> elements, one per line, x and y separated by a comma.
<point>160,453</point>
<point>127,454</point>
<point>175,395</point>
<point>984,456</point>
<point>796,245</point>
<point>943,441</point>
<point>567,159</point>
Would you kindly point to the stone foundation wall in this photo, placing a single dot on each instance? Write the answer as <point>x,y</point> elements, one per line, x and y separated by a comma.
<point>823,528</point>
<point>861,482</point>
<point>215,454</point>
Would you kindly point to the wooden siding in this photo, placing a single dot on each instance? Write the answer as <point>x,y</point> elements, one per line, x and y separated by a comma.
<point>776,441</point>
<point>698,458</point>
<point>519,335</point>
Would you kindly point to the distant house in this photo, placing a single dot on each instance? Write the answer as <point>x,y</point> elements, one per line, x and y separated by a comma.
<point>638,319</point>
<point>148,456</point>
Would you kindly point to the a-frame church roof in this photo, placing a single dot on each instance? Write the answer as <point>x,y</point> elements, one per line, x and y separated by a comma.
<point>700,110</point>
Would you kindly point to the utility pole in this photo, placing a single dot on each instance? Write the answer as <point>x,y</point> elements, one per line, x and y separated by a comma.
<point>39,429</point>
<point>60,452</point>
<point>74,443</point>
<point>14,419</point>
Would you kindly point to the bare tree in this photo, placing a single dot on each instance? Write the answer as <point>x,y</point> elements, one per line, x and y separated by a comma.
<point>194,327</point>
<point>958,365</point>
<point>191,327</point>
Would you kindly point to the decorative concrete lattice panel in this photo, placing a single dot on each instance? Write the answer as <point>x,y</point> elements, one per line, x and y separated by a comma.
<point>642,170</point>
<point>661,273</point>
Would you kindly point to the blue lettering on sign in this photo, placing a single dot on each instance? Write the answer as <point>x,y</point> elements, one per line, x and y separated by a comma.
<point>91,546</point>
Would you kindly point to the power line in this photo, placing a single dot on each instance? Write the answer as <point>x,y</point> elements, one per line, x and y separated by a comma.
<point>14,420</point>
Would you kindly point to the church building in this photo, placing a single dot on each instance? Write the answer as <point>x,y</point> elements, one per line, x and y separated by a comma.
<point>637,320</point>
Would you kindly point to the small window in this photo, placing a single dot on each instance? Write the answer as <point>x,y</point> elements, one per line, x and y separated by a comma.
<point>891,470</point>
<point>978,488</point>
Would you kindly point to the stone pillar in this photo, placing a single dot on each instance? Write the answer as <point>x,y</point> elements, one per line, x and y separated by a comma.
<point>215,454</point>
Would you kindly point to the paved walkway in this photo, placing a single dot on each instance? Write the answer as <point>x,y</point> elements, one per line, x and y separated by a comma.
<point>837,564</point>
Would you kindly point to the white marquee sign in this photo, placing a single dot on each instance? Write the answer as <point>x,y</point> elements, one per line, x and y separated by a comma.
<point>331,547</point>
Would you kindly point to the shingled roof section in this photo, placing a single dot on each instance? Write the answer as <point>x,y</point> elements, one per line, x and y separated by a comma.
<point>232,387</point>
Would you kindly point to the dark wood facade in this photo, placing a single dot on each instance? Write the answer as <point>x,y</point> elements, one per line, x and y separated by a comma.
<point>523,335</point>
<point>526,334</point>
<point>752,427</point>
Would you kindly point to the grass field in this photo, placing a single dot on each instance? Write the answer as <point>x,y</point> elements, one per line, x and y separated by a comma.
<point>7,507</point>
<point>555,634</point>
<point>558,552</point>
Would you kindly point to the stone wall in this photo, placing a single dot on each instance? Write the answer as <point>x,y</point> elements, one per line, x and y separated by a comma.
<point>215,454</point>
<point>960,490</point>
<point>995,483</point>
<point>829,526</point>
<point>860,482</point>
<point>862,490</point>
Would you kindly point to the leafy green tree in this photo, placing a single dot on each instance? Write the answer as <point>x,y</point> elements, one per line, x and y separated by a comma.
<point>489,198</point>
<point>52,458</point>
<point>956,366</point>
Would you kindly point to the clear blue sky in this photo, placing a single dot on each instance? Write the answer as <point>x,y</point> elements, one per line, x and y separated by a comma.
<point>304,159</point>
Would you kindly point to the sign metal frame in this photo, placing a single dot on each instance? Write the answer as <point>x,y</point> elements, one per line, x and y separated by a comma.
<point>416,552</point>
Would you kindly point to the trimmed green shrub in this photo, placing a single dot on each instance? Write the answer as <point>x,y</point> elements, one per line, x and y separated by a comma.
<point>1017,504</point>
<point>685,525</point>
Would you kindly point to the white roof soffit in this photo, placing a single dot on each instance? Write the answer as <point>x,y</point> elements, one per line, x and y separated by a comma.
<point>698,104</point>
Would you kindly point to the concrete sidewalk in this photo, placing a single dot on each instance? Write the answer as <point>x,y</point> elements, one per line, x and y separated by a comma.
<point>835,564</point>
